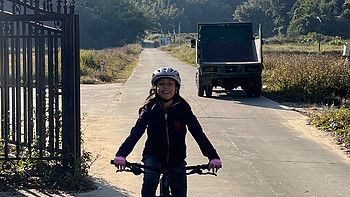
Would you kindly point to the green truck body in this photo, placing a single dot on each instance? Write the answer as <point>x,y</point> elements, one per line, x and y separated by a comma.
<point>228,55</point>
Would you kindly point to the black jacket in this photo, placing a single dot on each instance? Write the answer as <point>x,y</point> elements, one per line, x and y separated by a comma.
<point>166,132</point>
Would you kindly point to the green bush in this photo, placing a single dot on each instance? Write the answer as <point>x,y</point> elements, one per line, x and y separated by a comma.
<point>88,60</point>
<point>46,174</point>
<point>337,121</point>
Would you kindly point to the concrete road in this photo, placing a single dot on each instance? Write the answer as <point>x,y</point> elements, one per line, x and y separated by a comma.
<point>266,149</point>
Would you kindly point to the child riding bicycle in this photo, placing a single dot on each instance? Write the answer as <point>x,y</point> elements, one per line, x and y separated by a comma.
<point>165,115</point>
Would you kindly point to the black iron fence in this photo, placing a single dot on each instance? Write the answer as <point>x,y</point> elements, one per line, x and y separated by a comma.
<point>39,80</point>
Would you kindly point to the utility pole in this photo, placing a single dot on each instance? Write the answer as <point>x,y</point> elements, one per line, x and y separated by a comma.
<point>173,31</point>
<point>179,34</point>
<point>319,34</point>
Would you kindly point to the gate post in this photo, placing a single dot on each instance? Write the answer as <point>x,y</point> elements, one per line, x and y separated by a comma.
<point>70,93</point>
<point>77,86</point>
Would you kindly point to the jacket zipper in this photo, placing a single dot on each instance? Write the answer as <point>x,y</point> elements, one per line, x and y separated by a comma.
<point>167,136</point>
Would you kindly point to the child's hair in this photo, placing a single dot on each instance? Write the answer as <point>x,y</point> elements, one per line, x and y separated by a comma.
<point>150,97</point>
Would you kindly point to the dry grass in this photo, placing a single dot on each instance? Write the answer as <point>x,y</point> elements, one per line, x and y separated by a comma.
<point>118,64</point>
<point>301,48</point>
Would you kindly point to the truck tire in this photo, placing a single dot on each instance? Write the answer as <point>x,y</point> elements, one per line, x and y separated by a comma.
<point>257,91</point>
<point>208,90</point>
<point>253,87</point>
<point>200,90</point>
<point>248,91</point>
<point>257,87</point>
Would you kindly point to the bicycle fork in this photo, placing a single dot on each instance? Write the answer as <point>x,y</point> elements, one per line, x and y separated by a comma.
<point>164,186</point>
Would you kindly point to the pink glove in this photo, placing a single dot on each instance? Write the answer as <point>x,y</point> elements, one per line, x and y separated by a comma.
<point>120,162</point>
<point>215,164</point>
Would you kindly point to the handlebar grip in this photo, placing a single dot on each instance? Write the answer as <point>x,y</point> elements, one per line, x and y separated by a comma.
<point>127,164</point>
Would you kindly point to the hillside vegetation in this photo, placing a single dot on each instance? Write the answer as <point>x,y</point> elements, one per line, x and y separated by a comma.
<point>110,24</point>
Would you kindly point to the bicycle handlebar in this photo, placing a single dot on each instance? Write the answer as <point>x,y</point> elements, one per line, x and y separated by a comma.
<point>137,169</point>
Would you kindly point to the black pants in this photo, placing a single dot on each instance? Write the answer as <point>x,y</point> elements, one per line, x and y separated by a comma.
<point>178,182</point>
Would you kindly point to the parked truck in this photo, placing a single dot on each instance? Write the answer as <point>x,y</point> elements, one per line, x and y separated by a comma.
<point>228,55</point>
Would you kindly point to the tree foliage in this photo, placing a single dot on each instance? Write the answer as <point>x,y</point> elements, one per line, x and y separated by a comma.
<point>256,12</point>
<point>311,16</point>
<point>169,13</point>
<point>111,23</point>
<point>296,16</point>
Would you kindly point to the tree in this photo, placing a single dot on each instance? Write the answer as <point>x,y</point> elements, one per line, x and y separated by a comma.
<point>338,6</point>
<point>187,12</point>
<point>346,12</point>
<point>256,12</point>
<point>162,12</point>
<point>207,11</point>
<point>278,12</point>
<point>109,23</point>
<point>311,16</point>
<point>265,11</point>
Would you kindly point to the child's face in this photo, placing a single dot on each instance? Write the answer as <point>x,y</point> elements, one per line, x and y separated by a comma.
<point>166,88</point>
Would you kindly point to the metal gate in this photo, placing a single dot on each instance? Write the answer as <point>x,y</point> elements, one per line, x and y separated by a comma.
<point>39,80</point>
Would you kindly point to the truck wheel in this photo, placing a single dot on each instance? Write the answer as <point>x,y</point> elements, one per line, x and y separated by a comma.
<point>248,88</point>
<point>257,87</point>
<point>248,91</point>
<point>200,90</point>
<point>208,90</point>
<point>257,91</point>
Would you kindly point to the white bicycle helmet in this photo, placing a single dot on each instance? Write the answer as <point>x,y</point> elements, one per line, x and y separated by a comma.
<point>166,72</point>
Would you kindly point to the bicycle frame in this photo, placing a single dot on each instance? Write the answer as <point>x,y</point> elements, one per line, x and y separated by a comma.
<point>137,169</point>
<point>164,186</point>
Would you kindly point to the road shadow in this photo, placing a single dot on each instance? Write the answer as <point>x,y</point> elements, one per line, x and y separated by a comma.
<point>103,188</point>
<point>238,96</point>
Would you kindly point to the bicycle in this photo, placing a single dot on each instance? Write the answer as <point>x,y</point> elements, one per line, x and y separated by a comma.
<point>137,169</point>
